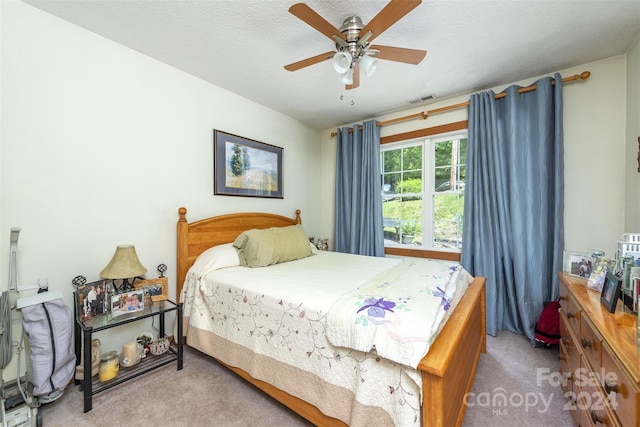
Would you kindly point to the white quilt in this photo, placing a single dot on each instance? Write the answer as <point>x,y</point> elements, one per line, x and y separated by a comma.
<point>282,312</point>
<point>400,313</point>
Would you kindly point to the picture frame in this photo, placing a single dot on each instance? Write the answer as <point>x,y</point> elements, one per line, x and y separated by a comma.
<point>610,291</point>
<point>127,302</point>
<point>245,167</point>
<point>88,305</point>
<point>157,288</point>
<point>601,267</point>
<point>578,264</point>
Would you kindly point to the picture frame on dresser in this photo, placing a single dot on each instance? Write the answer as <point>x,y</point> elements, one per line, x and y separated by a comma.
<point>579,264</point>
<point>601,267</point>
<point>610,291</point>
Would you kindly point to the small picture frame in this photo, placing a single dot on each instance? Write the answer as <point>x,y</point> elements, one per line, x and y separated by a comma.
<point>127,302</point>
<point>157,288</point>
<point>601,267</point>
<point>92,299</point>
<point>610,291</point>
<point>579,264</point>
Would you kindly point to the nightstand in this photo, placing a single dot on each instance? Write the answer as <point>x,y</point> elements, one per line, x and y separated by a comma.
<point>84,330</point>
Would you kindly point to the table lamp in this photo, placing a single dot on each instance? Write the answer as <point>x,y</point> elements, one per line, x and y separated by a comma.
<point>124,265</point>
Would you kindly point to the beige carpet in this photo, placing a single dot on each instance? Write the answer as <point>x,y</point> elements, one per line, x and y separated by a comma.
<point>206,394</point>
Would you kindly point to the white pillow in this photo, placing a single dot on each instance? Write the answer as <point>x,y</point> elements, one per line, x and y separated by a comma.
<point>215,258</point>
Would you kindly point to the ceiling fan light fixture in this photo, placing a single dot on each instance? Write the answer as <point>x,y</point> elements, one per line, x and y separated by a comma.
<point>368,64</point>
<point>347,77</point>
<point>342,62</point>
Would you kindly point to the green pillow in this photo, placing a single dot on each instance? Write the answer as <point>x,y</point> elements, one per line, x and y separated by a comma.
<point>260,248</point>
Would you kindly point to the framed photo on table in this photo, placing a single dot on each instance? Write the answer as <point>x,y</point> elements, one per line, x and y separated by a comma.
<point>92,299</point>
<point>610,291</point>
<point>157,289</point>
<point>127,302</point>
<point>244,167</point>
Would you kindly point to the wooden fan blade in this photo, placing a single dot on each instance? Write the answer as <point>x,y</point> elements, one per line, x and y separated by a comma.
<point>388,16</point>
<point>399,54</point>
<point>309,61</point>
<point>312,18</point>
<point>356,78</point>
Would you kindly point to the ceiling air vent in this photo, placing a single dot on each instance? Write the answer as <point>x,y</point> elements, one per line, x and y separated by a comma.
<point>424,98</point>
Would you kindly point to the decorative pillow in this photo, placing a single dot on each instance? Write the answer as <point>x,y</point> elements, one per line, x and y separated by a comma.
<point>259,248</point>
<point>215,258</point>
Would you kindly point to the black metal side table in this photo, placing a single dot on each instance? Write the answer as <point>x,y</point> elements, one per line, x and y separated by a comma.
<point>84,330</point>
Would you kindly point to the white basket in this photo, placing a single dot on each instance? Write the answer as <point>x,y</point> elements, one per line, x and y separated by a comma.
<point>631,238</point>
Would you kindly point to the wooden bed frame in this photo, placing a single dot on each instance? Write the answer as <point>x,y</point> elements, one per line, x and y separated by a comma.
<point>447,370</point>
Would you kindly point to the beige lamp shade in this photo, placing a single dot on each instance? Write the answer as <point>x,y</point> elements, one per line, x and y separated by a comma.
<point>124,264</point>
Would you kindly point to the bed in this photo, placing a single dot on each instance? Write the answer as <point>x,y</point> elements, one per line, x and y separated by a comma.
<point>445,374</point>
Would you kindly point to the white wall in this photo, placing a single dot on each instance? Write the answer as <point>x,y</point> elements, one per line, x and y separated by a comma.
<point>594,132</point>
<point>632,164</point>
<point>101,145</point>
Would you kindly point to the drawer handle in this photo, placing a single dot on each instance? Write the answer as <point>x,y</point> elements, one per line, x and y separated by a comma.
<point>561,357</point>
<point>565,341</point>
<point>570,315</point>
<point>595,418</point>
<point>586,343</point>
<point>610,388</point>
<point>563,298</point>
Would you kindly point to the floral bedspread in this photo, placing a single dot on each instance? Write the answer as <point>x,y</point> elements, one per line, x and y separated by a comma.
<point>282,312</point>
<point>401,313</point>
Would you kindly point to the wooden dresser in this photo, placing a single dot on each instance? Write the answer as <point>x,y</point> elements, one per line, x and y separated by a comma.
<point>599,358</point>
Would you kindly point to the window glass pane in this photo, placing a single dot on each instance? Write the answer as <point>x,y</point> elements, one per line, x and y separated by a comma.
<point>447,220</point>
<point>390,183</point>
<point>443,179</point>
<point>391,220</point>
<point>442,153</point>
<point>405,170</point>
<point>391,161</point>
<point>411,227</point>
<point>412,158</point>
<point>411,183</point>
<point>463,151</point>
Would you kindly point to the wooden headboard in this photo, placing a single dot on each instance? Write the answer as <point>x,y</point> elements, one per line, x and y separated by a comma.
<point>196,237</point>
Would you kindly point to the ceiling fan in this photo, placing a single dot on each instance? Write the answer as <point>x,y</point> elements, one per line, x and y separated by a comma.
<point>353,41</point>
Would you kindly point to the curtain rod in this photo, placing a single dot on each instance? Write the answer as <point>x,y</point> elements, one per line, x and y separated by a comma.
<point>423,115</point>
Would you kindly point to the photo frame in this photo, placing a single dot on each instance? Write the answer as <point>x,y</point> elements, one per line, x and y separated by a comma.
<point>244,167</point>
<point>92,299</point>
<point>157,289</point>
<point>579,264</point>
<point>601,267</point>
<point>127,302</point>
<point>610,291</point>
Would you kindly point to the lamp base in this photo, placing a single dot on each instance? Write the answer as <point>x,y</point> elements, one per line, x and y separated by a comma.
<point>124,287</point>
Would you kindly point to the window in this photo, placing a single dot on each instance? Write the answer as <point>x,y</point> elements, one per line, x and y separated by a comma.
<point>423,191</point>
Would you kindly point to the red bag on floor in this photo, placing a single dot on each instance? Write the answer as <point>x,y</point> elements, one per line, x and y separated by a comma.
<point>548,326</point>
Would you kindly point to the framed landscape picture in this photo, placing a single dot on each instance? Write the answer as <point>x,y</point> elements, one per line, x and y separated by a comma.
<point>244,167</point>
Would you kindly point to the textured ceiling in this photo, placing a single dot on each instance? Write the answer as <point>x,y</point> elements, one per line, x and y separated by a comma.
<point>242,46</point>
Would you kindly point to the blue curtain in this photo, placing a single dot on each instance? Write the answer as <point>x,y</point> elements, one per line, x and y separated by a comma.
<point>358,202</point>
<point>514,202</point>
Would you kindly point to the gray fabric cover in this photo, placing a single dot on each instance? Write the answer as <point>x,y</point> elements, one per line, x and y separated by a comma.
<point>49,327</point>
